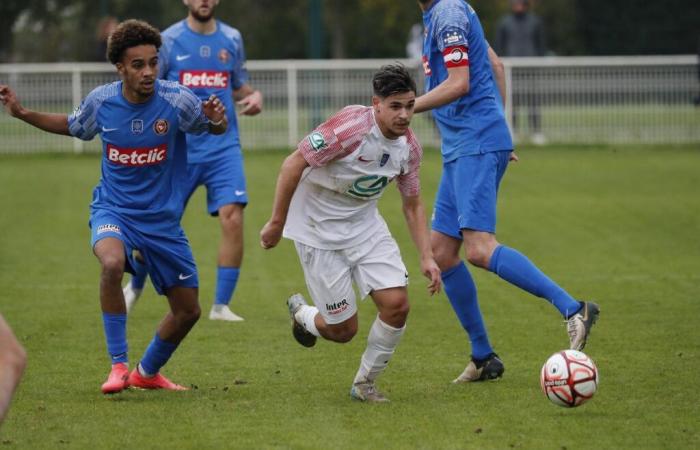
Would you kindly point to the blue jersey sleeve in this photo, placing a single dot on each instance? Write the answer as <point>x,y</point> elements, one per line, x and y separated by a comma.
<point>239,74</point>
<point>191,115</point>
<point>82,122</point>
<point>451,25</point>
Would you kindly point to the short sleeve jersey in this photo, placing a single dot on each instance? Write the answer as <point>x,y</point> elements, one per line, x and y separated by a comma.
<point>207,64</point>
<point>144,158</point>
<point>351,162</point>
<point>475,123</point>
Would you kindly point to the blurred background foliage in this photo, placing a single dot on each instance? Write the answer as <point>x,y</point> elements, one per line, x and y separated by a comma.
<point>69,30</point>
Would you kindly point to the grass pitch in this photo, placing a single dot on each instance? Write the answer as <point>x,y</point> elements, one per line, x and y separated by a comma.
<point>618,225</point>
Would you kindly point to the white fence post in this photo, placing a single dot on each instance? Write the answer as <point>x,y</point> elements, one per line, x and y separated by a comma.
<point>76,82</point>
<point>292,104</point>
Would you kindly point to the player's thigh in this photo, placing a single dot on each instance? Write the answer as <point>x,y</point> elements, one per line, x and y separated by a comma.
<point>225,182</point>
<point>111,239</point>
<point>377,265</point>
<point>444,218</point>
<point>169,260</point>
<point>329,281</point>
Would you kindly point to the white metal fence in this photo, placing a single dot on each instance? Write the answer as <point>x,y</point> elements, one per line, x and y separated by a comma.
<point>565,99</point>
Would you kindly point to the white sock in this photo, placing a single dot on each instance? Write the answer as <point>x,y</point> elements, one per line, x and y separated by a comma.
<point>381,343</point>
<point>306,316</point>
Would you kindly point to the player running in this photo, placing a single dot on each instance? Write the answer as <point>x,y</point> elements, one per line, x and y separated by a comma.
<point>476,149</point>
<point>326,202</point>
<point>207,56</point>
<point>136,205</point>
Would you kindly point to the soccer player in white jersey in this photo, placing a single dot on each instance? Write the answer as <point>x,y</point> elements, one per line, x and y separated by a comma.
<point>326,202</point>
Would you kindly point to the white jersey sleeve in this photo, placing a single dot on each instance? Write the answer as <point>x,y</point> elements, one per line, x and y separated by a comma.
<point>409,181</point>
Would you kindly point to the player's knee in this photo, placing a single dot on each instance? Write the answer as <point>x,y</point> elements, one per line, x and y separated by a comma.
<point>232,218</point>
<point>444,257</point>
<point>479,255</point>
<point>188,316</point>
<point>15,357</point>
<point>397,313</point>
<point>113,266</point>
<point>343,332</point>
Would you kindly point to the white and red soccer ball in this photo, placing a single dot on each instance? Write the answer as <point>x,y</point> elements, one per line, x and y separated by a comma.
<point>569,378</point>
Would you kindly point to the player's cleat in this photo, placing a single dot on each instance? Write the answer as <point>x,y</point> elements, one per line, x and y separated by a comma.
<point>157,381</point>
<point>294,303</point>
<point>489,368</point>
<point>223,312</point>
<point>367,392</point>
<point>131,295</point>
<point>579,325</point>
<point>117,379</point>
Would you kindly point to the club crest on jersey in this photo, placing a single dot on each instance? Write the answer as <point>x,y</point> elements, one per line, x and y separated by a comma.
<point>160,126</point>
<point>452,37</point>
<point>205,51</point>
<point>384,160</point>
<point>317,141</point>
<point>223,56</point>
<point>137,126</point>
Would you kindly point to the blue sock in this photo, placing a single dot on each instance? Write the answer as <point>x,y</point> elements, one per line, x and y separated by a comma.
<point>157,354</point>
<point>139,278</point>
<point>460,289</point>
<point>517,269</point>
<point>115,333</point>
<point>226,280</point>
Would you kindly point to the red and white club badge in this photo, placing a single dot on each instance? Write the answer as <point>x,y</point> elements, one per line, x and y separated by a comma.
<point>160,126</point>
<point>223,55</point>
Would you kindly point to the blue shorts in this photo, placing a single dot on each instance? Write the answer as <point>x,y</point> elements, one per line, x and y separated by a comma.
<point>466,197</point>
<point>167,256</point>
<point>223,178</point>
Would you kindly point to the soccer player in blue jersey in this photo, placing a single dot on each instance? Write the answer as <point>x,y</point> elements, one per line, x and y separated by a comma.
<point>465,95</point>
<point>136,206</point>
<point>207,56</point>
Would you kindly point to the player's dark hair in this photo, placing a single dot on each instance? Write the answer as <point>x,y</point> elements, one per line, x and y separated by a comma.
<point>131,33</point>
<point>392,79</point>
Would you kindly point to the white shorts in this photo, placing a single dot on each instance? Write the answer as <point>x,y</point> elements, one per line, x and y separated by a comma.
<point>373,265</point>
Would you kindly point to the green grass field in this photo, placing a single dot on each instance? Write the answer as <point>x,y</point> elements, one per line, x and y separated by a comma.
<point>618,225</point>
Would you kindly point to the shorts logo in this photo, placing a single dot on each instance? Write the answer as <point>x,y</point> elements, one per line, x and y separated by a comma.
<point>135,157</point>
<point>108,228</point>
<point>223,55</point>
<point>205,51</point>
<point>203,79</point>
<point>160,126</point>
<point>338,307</point>
<point>137,126</point>
<point>384,160</point>
<point>368,186</point>
<point>317,141</point>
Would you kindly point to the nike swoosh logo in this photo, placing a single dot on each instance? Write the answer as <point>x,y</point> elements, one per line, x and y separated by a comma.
<point>364,160</point>
<point>240,192</point>
<point>184,277</point>
<point>107,130</point>
<point>182,57</point>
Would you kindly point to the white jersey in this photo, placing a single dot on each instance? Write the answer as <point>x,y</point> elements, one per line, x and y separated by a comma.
<point>335,204</point>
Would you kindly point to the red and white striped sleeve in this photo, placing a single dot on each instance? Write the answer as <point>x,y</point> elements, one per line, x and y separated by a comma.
<point>337,137</point>
<point>409,182</point>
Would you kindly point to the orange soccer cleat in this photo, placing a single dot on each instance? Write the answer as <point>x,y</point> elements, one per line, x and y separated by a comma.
<point>157,381</point>
<point>117,379</point>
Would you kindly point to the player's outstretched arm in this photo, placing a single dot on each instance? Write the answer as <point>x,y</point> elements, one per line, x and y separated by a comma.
<point>417,225</point>
<point>250,99</point>
<point>53,123</point>
<point>499,74</point>
<point>455,85</point>
<point>12,362</point>
<point>287,181</point>
<point>216,113</point>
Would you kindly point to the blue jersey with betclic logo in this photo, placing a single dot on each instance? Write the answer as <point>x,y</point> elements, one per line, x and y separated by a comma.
<point>475,123</point>
<point>207,64</point>
<point>144,159</point>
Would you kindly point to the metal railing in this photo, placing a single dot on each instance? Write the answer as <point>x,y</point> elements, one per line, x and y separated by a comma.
<point>573,100</point>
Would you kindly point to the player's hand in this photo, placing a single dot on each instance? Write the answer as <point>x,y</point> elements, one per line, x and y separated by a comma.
<point>252,104</point>
<point>513,157</point>
<point>214,109</point>
<point>271,234</point>
<point>432,272</point>
<point>10,101</point>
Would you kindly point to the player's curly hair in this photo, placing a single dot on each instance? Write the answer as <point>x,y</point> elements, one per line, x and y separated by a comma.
<point>392,79</point>
<point>131,33</point>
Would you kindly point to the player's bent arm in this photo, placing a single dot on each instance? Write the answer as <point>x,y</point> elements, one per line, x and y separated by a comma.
<point>417,225</point>
<point>499,73</point>
<point>13,360</point>
<point>53,123</point>
<point>287,182</point>
<point>455,86</point>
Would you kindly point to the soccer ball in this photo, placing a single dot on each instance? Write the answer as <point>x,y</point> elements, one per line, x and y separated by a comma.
<point>569,378</point>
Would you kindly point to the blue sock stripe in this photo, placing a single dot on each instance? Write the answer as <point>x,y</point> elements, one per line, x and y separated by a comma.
<point>157,354</point>
<point>517,269</point>
<point>226,280</point>
<point>115,334</point>
<point>461,291</point>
